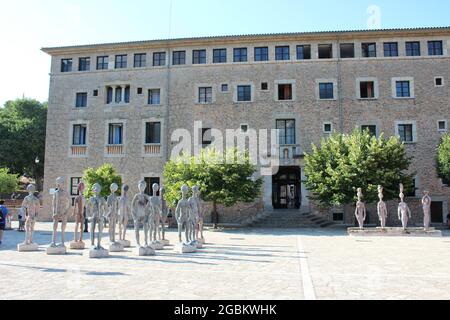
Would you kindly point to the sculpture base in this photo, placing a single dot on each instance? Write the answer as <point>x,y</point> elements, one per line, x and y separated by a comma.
<point>75,245</point>
<point>394,232</point>
<point>197,244</point>
<point>98,253</point>
<point>184,248</point>
<point>27,247</point>
<point>115,247</point>
<point>124,243</point>
<point>202,241</point>
<point>145,251</point>
<point>56,251</point>
<point>157,245</point>
<point>165,242</point>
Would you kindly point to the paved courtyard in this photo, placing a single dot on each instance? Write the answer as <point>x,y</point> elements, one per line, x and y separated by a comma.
<point>239,265</point>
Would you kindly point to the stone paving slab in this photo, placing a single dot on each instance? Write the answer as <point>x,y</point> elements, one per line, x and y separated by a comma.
<point>238,265</point>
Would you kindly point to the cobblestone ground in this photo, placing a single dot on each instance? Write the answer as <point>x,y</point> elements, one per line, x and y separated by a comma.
<point>238,265</point>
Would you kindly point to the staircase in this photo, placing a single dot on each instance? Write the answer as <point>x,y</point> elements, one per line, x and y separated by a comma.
<point>289,219</point>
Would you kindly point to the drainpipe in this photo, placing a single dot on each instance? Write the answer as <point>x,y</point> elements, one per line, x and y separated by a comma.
<point>339,87</point>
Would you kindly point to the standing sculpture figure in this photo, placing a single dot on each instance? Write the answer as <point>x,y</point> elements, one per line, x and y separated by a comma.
<point>164,215</point>
<point>112,215</point>
<point>403,209</point>
<point>426,204</point>
<point>96,211</point>
<point>124,215</point>
<point>360,211</point>
<point>60,209</point>
<point>155,218</point>
<point>31,206</point>
<point>382,209</point>
<point>182,214</point>
<point>200,218</point>
<point>78,213</point>
<point>194,216</point>
<point>139,210</point>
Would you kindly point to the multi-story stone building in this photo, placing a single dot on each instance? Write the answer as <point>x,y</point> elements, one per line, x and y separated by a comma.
<point>121,103</point>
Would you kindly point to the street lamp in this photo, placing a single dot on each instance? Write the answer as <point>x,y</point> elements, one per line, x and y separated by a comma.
<point>36,161</point>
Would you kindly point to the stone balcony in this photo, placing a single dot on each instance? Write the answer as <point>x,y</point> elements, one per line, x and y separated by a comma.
<point>78,151</point>
<point>114,150</point>
<point>152,149</point>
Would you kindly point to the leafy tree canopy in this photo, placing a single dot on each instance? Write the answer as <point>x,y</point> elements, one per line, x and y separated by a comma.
<point>443,159</point>
<point>8,181</point>
<point>104,176</point>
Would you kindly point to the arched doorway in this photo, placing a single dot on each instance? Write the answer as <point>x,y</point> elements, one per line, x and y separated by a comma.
<point>286,188</point>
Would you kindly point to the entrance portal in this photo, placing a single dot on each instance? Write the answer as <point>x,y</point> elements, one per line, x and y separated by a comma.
<point>286,188</point>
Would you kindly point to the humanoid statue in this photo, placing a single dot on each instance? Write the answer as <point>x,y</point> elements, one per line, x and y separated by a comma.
<point>182,214</point>
<point>60,210</point>
<point>403,209</point>
<point>113,212</point>
<point>96,211</point>
<point>164,214</point>
<point>426,204</point>
<point>139,210</point>
<point>31,206</point>
<point>155,219</point>
<point>360,211</point>
<point>124,213</point>
<point>200,217</point>
<point>78,213</point>
<point>382,209</point>
<point>193,214</point>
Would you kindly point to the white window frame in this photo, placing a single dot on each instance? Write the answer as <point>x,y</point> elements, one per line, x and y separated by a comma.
<point>443,82</point>
<point>293,83</point>
<point>323,127</point>
<point>446,126</point>
<point>197,94</point>
<point>144,122</point>
<point>414,130</point>
<point>335,89</point>
<point>74,123</point>
<point>411,87</point>
<point>375,87</point>
<point>160,97</point>
<point>240,128</point>
<point>235,94</point>
<point>124,137</point>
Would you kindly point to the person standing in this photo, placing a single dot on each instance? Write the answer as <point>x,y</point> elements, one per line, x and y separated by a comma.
<point>3,215</point>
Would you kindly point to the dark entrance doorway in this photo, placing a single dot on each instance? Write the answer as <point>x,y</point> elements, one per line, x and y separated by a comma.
<point>437,212</point>
<point>286,188</point>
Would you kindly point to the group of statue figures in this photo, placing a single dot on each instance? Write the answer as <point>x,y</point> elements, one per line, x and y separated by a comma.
<point>404,212</point>
<point>150,212</point>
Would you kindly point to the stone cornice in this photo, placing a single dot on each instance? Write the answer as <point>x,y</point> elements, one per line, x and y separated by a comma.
<point>224,40</point>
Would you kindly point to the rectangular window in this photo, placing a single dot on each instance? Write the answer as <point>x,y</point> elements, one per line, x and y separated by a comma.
<point>412,49</point>
<point>304,52</point>
<point>405,131</point>
<point>403,89</point>
<point>66,65</point>
<point>244,93</point>
<point>347,50</point>
<point>338,216</point>
<point>285,91</point>
<point>81,101</point>
<point>127,94</point>
<point>205,95</point>
<point>199,57</point>
<point>325,51</point>
<point>264,86</point>
<point>327,127</point>
<point>282,53</point>
<point>102,63</point>
<point>109,95</point>
<point>153,133</point>
<point>84,64</point>
<point>390,49</point>
<point>286,132</point>
<point>442,125</point>
<point>206,137</point>
<point>74,182</point>
<point>159,59</point>
<point>438,81</point>
<point>224,88</point>
<point>367,89</point>
<point>140,60</point>
<point>121,61</point>
<point>154,96</point>
<point>435,48</point>
<point>372,129</point>
<point>79,135</point>
<point>118,97</point>
<point>115,136</point>
<point>369,50</point>
<point>219,55</point>
<point>150,182</point>
<point>178,58</point>
<point>240,55</point>
<point>262,54</point>
<point>326,90</point>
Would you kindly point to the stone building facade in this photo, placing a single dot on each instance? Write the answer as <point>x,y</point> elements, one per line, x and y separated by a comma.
<point>123,103</point>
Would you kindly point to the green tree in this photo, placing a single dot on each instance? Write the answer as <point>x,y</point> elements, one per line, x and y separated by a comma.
<point>443,159</point>
<point>8,181</point>
<point>105,176</point>
<point>22,137</point>
<point>222,180</point>
<point>344,163</point>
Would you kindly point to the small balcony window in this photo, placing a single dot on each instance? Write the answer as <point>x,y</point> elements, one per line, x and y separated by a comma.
<point>115,136</point>
<point>79,135</point>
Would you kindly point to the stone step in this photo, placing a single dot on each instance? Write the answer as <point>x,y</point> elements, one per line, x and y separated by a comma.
<point>290,219</point>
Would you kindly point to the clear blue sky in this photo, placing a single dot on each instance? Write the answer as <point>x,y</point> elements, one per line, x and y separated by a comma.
<point>28,25</point>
